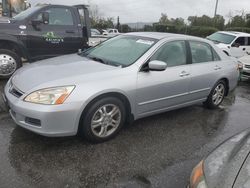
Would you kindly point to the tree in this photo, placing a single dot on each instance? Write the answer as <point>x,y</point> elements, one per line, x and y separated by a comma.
<point>125,28</point>
<point>164,19</point>
<point>219,22</point>
<point>238,21</point>
<point>148,28</point>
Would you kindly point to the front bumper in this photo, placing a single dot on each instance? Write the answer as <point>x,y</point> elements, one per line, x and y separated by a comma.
<point>46,120</point>
<point>245,73</point>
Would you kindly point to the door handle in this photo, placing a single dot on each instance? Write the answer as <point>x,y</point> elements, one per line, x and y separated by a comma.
<point>184,73</point>
<point>70,31</point>
<point>217,67</point>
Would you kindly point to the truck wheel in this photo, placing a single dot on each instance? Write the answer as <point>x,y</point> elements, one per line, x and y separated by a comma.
<point>103,120</point>
<point>9,63</point>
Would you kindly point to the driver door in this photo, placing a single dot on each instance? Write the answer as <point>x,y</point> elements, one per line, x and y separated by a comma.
<point>59,36</point>
<point>239,47</point>
<point>159,90</point>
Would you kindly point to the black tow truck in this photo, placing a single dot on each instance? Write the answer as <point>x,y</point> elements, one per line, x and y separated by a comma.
<point>42,32</point>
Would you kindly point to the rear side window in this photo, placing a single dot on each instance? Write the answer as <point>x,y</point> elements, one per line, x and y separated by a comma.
<point>201,52</point>
<point>216,56</point>
<point>173,53</point>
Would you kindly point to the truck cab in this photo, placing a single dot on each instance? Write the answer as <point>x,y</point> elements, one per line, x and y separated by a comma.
<point>235,44</point>
<point>42,32</point>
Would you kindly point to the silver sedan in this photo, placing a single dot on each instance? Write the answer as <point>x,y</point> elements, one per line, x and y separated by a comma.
<point>126,78</point>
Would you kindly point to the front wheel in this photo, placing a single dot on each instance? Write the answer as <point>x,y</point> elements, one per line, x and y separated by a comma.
<point>9,63</point>
<point>103,120</point>
<point>217,95</point>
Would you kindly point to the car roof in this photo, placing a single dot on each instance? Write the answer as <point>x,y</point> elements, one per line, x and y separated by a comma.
<point>235,33</point>
<point>159,35</point>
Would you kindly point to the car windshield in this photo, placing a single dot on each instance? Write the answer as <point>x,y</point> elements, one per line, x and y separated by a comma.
<point>221,38</point>
<point>23,15</point>
<point>120,51</point>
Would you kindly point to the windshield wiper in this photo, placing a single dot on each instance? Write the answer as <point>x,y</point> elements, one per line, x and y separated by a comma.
<point>98,59</point>
<point>104,61</point>
<point>214,40</point>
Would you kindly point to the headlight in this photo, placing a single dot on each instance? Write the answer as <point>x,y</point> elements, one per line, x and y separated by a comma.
<point>50,96</point>
<point>197,179</point>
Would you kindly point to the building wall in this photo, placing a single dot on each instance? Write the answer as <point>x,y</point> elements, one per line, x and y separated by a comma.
<point>17,6</point>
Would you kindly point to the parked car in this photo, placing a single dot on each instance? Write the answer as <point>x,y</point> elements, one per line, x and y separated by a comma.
<point>123,79</point>
<point>245,72</point>
<point>235,44</point>
<point>227,166</point>
<point>96,38</point>
<point>111,32</point>
<point>42,32</point>
<point>95,32</point>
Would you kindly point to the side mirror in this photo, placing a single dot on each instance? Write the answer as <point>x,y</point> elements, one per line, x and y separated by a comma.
<point>45,17</point>
<point>236,45</point>
<point>157,65</point>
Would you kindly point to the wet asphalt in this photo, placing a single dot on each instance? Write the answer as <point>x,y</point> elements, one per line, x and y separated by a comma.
<point>158,151</point>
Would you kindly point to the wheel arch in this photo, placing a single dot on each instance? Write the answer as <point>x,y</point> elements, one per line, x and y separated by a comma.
<point>120,96</point>
<point>12,43</point>
<point>227,84</point>
<point>226,52</point>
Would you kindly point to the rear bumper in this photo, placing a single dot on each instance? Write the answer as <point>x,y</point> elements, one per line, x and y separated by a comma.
<point>46,120</point>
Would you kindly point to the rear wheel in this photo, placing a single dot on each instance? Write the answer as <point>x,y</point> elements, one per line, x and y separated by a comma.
<point>9,63</point>
<point>103,120</point>
<point>217,95</point>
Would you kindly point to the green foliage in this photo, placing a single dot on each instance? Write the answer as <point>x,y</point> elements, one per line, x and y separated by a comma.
<point>200,31</point>
<point>148,28</point>
<point>237,21</point>
<point>102,23</point>
<point>218,21</point>
<point>240,29</point>
<point>125,28</point>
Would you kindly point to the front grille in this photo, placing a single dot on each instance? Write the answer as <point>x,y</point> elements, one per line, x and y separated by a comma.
<point>247,66</point>
<point>32,121</point>
<point>246,73</point>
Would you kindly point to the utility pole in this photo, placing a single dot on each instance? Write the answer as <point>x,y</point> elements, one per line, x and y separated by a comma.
<point>216,7</point>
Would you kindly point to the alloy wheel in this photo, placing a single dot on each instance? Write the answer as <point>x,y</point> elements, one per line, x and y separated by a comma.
<point>106,120</point>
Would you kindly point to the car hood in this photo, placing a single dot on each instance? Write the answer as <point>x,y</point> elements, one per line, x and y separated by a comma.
<point>222,45</point>
<point>245,59</point>
<point>224,163</point>
<point>63,70</point>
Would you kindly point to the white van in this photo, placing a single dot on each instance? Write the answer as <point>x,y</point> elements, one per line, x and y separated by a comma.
<point>236,44</point>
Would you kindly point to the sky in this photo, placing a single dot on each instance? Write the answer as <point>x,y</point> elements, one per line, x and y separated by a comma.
<point>150,10</point>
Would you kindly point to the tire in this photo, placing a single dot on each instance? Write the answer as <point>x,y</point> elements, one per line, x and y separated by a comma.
<point>213,103</point>
<point>9,63</point>
<point>102,131</point>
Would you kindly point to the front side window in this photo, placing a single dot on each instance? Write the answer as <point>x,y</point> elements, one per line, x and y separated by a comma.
<point>59,16</point>
<point>240,41</point>
<point>173,53</point>
<point>120,51</point>
<point>201,52</point>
